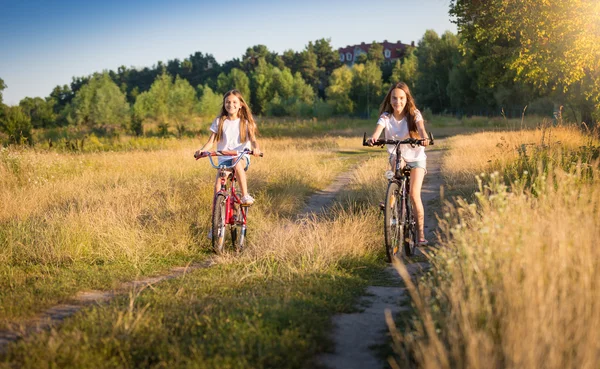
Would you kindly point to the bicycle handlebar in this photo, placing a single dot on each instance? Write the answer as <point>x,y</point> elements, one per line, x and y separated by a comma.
<point>210,154</point>
<point>204,154</point>
<point>409,141</point>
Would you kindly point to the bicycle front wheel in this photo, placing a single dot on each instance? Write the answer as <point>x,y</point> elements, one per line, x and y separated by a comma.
<point>218,224</point>
<point>410,230</point>
<point>393,229</point>
<point>238,231</point>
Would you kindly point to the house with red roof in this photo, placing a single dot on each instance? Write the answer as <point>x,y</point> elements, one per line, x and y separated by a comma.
<point>391,51</point>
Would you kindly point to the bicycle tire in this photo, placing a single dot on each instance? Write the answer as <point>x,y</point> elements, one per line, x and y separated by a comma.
<point>411,237</point>
<point>393,231</point>
<point>238,231</point>
<point>218,224</point>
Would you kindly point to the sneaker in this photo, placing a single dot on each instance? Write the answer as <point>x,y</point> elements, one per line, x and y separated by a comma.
<point>209,235</point>
<point>247,200</point>
<point>423,242</point>
<point>382,206</point>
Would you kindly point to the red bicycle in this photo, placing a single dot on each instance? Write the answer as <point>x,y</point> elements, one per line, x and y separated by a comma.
<point>228,210</point>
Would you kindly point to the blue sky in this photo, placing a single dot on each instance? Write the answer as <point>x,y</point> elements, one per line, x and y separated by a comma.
<point>45,43</point>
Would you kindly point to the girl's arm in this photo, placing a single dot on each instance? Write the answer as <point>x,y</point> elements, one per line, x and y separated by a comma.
<point>255,148</point>
<point>422,132</point>
<point>376,134</point>
<point>209,144</point>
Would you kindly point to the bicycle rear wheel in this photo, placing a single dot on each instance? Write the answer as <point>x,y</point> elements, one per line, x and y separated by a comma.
<point>410,234</point>
<point>218,224</point>
<point>393,230</point>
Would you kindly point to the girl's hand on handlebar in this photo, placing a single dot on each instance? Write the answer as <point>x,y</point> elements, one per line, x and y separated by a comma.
<point>370,141</point>
<point>256,152</point>
<point>200,154</point>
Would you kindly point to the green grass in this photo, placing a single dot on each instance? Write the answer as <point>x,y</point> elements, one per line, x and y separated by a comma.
<point>212,318</point>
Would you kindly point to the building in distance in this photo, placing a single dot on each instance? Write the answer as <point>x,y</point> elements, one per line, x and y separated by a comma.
<point>391,51</point>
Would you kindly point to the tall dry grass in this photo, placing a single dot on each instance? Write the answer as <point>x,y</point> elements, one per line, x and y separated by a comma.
<point>491,151</point>
<point>128,213</point>
<point>282,248</point>
<point>515,283</point>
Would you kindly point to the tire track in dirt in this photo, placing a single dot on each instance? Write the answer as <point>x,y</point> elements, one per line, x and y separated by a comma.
<point>354,335</point>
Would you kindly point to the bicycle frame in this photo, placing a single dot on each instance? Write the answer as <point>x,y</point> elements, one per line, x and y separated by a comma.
<point>227,209</point>
<point>232,199</point>
<point>399,221</point>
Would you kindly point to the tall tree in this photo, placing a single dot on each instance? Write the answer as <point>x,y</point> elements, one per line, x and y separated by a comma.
<point>2,87</point>
<point>367,85</point>
<point>327,60</point>
<point>375,53</point>
<point>40,111</point>
<point>552,45</point>
<point>309,67</point>
<point>236,79</point>
<point>261,82</point>
<point>338,91</point>
<point>405,69</point>
<point>252,56</point>
<point>181,102</point>
<point>100,104</point>
<point>435,55</point>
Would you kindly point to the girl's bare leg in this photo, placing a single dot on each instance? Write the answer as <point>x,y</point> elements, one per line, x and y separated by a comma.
<point>416,182</point>
<point>241,176</point>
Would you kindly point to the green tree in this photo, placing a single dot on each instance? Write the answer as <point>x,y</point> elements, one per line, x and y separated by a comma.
<point>435,61</point>
<point>309,67</point>
<point>2,87</point>
<point>250,59</point>
<point>100,104</point>
<point>236,79</point>
<point>367,86</point>
<point>328,60</point>
<point>167,101</point>
<point>406,69</point>
<point>338,91</point>
<point>261,82</point>
<point>40,111</point>
<point>375,53</point>
<point>16,124</point>
<point>553,46</point>
<point>181,102</point>
<point>209,104</point>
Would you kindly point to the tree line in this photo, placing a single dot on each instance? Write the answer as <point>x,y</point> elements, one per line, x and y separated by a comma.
<point>503,59</point>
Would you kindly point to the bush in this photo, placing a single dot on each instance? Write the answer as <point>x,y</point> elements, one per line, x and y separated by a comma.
<point>17,125</point>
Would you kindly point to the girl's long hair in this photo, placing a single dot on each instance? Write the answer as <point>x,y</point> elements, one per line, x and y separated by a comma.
<point>410,109</point>
<point>248,128</point>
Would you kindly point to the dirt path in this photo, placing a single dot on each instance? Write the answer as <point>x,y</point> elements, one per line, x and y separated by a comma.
<point>355,334</point>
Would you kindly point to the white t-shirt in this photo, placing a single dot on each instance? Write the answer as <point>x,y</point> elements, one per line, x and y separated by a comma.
<point>231,137</point>
<point>398,130</point>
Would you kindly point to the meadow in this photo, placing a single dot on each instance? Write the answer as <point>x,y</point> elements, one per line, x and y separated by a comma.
<point>515,281</point>
<point>75,220</point>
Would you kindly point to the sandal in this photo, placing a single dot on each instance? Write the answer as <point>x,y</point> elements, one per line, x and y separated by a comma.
<point>423,242</point>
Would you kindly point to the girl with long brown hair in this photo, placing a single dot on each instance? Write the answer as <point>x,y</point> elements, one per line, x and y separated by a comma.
<point>401,119</point>
<point>235,130</point>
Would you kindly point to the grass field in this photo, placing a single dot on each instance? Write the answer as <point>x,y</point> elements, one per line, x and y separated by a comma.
<point>135,207</point>
<point>76,221</point>
<point>515,283</point>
